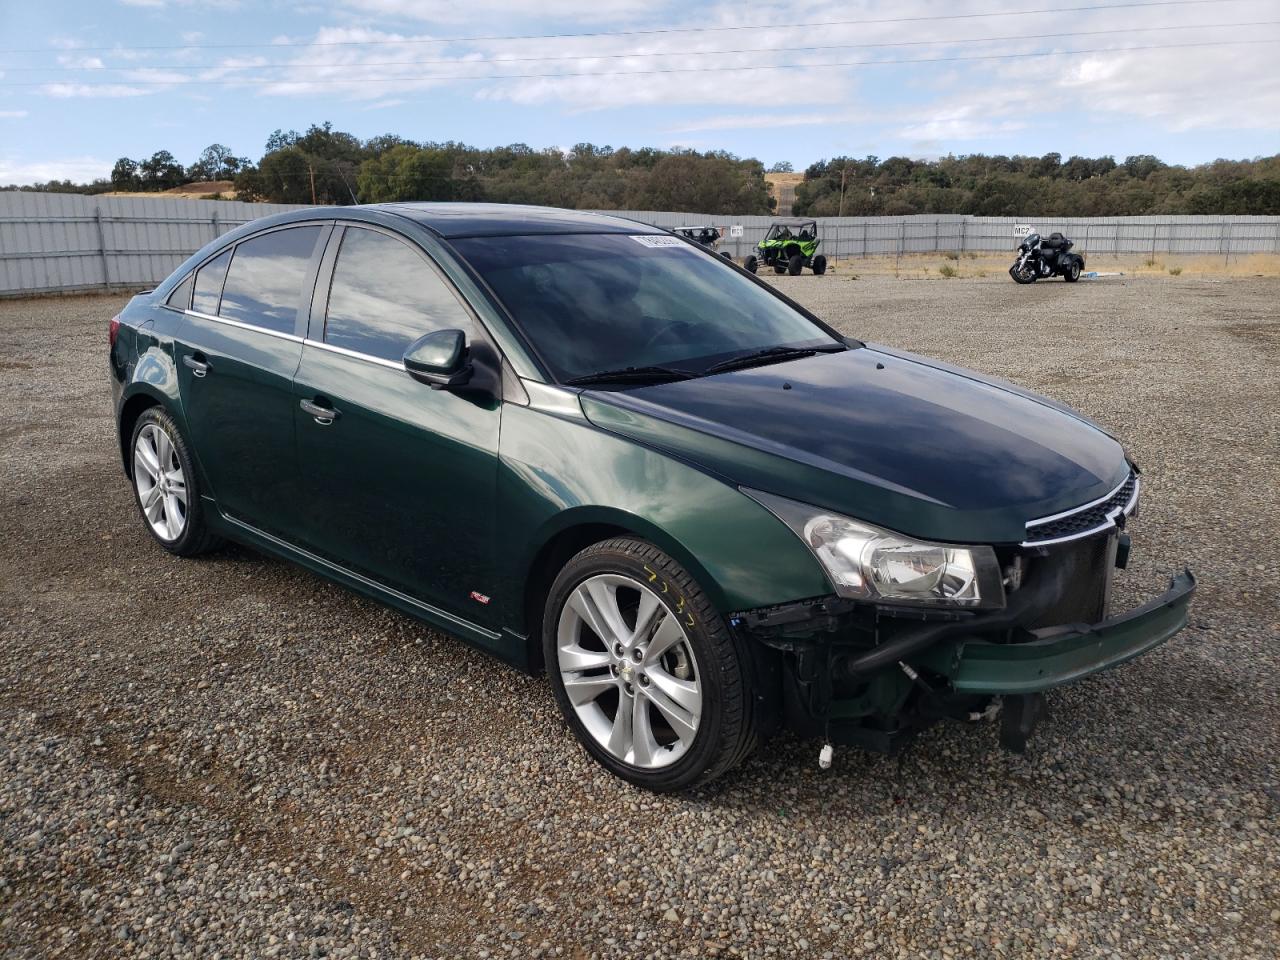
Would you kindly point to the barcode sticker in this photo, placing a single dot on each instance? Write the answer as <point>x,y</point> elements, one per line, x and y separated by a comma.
<point>650,240</point>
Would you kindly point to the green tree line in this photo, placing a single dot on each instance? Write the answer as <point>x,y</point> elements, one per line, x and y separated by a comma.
<point>324,165</point>
<point>328,166</point>
<point>1047,186</point>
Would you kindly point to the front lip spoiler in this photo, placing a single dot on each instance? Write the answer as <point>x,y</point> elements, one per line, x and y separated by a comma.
<point>1062,654</point>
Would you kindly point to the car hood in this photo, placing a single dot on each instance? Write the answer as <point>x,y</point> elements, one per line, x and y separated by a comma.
<point>913,445</point>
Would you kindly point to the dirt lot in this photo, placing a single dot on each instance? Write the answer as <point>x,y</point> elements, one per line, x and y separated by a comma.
<point>231,757</point>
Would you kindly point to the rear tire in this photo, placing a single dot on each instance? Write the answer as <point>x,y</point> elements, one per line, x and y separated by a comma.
<point>750,264</point>
<point>819,265</point>
<point>779,267</point>
<point>795,265</point>
<point>165,487</point>
<point>1073,272</point>
<point>673,709</point>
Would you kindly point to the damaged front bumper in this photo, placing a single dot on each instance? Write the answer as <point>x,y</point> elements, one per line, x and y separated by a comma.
<point>1061,654</point>
<point>863,676</point>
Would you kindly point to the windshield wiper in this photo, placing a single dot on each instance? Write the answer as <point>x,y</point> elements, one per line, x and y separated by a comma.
<point>759,358</point>
<point>649,374</point>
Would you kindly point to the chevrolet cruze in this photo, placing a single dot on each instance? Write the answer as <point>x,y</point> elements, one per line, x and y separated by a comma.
<point>594,448</point>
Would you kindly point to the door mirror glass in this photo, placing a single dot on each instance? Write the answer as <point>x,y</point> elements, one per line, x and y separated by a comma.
<point>439,359</point>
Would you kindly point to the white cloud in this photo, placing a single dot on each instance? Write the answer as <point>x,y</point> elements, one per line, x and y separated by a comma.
<point>80,63</point>
<point>12,114</point>
<point>79,169</point>
<point>491,12</point>
<point>66,91</point>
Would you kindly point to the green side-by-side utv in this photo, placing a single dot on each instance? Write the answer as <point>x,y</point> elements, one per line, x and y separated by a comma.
<point>789,247</point>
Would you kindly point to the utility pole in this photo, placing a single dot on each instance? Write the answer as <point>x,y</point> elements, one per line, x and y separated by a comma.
<point>312,172</point>
<point>844,173</point>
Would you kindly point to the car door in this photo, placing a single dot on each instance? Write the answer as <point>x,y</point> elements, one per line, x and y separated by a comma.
<point>238,349</point>
<point>398,478</point>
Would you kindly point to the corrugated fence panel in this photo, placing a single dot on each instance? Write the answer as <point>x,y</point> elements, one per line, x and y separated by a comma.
<point>63,242</point>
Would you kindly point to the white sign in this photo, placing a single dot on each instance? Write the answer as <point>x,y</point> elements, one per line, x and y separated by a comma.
<point>735,230</point>
<point>1021,229</point>
<point>660,240</point>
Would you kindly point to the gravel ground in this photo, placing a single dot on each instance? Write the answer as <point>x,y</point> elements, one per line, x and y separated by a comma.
<point>230,757</point>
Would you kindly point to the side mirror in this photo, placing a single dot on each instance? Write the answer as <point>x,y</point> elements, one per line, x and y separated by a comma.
<point>439,359</point>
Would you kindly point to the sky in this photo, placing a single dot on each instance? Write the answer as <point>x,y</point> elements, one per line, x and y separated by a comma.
<point>84,82</point>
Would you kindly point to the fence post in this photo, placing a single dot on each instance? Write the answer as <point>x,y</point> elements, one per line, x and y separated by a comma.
<point>216,232</point>
<point>864,239</point>
<point>964,238</point>
<point>102,248</point>
<point>902,238</point>
<point>1226,243</point>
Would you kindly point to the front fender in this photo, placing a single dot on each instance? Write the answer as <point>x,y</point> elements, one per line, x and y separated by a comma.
<point>557,473</point>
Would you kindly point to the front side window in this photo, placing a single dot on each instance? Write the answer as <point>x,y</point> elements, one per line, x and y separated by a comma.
<point>265,280</point>
<point>384,296</point>
<point>597,302</point>
<point>209,284</point>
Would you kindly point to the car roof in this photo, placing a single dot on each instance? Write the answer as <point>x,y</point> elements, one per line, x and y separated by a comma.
<point>456,220</point>
<point>793,222</point>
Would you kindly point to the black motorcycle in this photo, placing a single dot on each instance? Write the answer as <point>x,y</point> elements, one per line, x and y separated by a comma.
<point>1046,257</point>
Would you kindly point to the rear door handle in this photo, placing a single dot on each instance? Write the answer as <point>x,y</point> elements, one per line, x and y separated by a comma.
<point>323,415</point>
<point>198,367</point>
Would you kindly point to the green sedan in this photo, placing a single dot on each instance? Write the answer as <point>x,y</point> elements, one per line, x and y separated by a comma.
<point>594,448</point>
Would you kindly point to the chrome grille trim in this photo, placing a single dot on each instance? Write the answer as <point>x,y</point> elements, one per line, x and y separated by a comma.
<point>1115,505</point>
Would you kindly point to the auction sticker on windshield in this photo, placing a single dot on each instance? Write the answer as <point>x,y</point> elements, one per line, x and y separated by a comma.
<point>656,241</point>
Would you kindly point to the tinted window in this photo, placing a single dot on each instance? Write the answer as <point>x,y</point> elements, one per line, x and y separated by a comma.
<point>385,296</point>
<point>264,284</point>
<point>180,299</point>
<point>594,302</point>
<point>209,284</point>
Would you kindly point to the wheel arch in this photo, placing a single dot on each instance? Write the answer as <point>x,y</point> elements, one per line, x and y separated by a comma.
<point>133,405</point>
<point>578,528</point>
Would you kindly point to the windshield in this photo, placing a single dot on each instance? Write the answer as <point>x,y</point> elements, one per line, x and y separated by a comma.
<point>596,302</point>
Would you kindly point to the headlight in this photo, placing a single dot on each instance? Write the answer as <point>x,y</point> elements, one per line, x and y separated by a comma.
<point>866,562</point>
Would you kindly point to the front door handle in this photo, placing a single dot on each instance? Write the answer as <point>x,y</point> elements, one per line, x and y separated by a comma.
<point>198,367</point>
<point>323,415</point>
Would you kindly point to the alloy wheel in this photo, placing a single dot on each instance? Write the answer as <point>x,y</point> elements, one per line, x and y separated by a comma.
<point>160,482</point>
<point>629,671</point>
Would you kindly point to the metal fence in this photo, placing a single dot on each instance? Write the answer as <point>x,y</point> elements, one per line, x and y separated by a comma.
<point>853,237</point>
<point>57,242</point>
<point>54,243</point>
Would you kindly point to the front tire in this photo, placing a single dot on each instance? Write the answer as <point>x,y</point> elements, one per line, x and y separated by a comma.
<point>1022,276</point>
<point>819,265</point>
<point>644,670</point>
<point>795,264</point>
<point>165,486</point>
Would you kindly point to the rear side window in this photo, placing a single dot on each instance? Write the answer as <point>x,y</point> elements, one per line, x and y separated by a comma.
<point>180,299</point>
<point>384,296</point>
<point>264,282</point>
<point>209,284</point>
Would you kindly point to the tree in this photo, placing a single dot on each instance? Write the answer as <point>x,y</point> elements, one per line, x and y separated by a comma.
<point>406,172</point>
<point>161,171</point>
<point>124,175</point>
<point>216,162</point>
<point>782,166</point>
